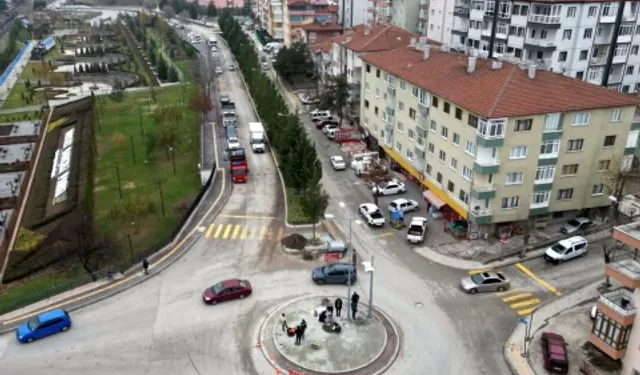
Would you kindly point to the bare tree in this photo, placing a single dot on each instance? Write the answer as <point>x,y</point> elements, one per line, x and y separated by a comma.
<point>620,171</point>
<point>169,12</point>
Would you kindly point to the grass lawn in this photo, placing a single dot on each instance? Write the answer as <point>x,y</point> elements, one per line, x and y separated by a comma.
<point>34,71</point>
<point>186,67</point>
<point>14,100</point>
<point>21,116</point>
<point>140,181</point>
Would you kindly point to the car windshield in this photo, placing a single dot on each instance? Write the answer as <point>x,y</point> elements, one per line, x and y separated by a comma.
<point>239,172</point>
<point>558,248</point>
<point>33,323</point>
<point>243,283</point>
<point>376,215</point>
<point>574,223</point>
<point>229,114</point>
<point>216,288</point>
<point>415,229</point>
<point>338,160</point>
<point>477,278</point>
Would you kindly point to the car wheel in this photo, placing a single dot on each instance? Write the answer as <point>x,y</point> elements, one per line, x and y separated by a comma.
<point>65,329</point>
<point>242,296</point>
<point>30,340</point>
<point>473,291</point>
<point>416,208</point>
<point>583,254</point>
<point>214,302</point>
<point>320,282</point>
<point>501,289</point>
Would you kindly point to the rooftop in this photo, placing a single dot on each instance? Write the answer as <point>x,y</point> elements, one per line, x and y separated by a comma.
<point>321,47</point>
<point>621,301</point>
<point>631,229</point>
<point>321,26</point>
<point>503,92</point>
<point>379,38</point>
<point>628,267</point>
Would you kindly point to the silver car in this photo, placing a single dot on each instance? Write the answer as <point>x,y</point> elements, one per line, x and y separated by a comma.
<point>489,281</point>
<point>338,163</point>
<point>574,225</point>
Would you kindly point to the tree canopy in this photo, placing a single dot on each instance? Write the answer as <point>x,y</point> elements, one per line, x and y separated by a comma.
<point>294,62</point>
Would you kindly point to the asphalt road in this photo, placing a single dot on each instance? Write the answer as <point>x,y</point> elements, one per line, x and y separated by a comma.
<point>162,327</point>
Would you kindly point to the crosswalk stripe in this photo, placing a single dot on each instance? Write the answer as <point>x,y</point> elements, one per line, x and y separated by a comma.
<point>516,297</point>
<point>473,272</point>
<point>208,234</point>
<point>280,233</point>
<point>525,303</point>
<point>218,231</point>
<point>526,311</point>
<point>226,231</point>
<point>236,230</point>
<point>243,235</point>
<point>262,230</point>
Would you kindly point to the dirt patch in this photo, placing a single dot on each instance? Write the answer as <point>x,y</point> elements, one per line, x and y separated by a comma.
<point>129,185</point>
<point>294,241</point>
<point>118,139</point>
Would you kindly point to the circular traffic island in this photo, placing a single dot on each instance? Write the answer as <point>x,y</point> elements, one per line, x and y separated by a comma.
<point>338,346</point>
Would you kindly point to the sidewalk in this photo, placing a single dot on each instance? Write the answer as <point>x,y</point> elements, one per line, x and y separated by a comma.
<point>513,348</point>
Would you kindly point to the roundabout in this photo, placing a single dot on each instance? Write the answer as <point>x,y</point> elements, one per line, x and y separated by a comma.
<point>362,346</point>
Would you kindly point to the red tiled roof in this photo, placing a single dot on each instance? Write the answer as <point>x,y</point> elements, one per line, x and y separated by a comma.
<point>504,92</point>
<point>324,26</point>
<point>322,46</point>
<point>380,38</point>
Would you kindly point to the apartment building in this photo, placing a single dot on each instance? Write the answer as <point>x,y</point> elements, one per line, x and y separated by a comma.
<point>571,38</point>
<point>301,12</point>
<point>275,20</point>
<point>492,142</point>
<point>318,32</point>
<point>352,12</point>
<point>403,14</point>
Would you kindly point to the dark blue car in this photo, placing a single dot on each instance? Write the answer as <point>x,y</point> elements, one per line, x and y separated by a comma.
<point>43,325</point>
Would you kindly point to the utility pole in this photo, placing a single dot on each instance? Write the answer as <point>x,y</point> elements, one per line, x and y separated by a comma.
<point>494,26</point>
<point>614,43</point>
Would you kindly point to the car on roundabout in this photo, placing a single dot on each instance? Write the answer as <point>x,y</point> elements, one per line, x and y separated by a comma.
<point>43,325</point>
<point>227,290</point>
<point>372,214</point>
<point>488,281</point>
<point>335,273</point>
<point>338,163</point>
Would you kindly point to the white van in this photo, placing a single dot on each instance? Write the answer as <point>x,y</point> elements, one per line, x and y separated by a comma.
<point>319,115</point>
<point>567,249</point>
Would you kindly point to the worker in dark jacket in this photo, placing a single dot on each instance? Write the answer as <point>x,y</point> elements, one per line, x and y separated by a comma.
<point>338,306</point>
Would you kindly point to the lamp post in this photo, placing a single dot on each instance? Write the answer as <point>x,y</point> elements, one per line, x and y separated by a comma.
<point>347,254</point>
<point>368,268</point>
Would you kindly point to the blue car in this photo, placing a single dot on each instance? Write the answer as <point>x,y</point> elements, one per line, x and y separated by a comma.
<point>44,325</point>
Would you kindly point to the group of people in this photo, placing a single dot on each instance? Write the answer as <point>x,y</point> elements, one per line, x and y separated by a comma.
<point>298,331</point>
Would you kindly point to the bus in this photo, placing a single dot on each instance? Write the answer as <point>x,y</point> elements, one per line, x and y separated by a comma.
<point>213,42</point>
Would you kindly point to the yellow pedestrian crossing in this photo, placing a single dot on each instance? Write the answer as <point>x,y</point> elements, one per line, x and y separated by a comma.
<point>242,232</point>
<point>522,302</point>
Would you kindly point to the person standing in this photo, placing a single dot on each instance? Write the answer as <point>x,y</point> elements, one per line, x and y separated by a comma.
<point>354,304</point>
<point>338,306</point>
<point>283,323</point>
<point>330,311</point>
<point>303,328</point>
<point>298,335</point>
<point>145,266</point>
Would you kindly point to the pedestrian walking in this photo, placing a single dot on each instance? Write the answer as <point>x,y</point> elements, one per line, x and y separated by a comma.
<point>338,306</point>
<point>145,266</point>
<point>354,305</point>
<point>298,335</point>
<point>330,311</point>
<point>283,323</point>
<point>355,297</point>
<point>303,328</point>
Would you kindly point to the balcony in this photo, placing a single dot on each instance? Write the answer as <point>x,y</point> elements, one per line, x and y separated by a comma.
<point>490,133</point>
<point>599,60</point>
<point>487,191</point>
<point>461,11</point>
<point>610,16</point>
<point>420,143</point>
<point>544,19</point>
<point>619,59</point>
<point>624,39</point>
<point>480,215</point>
<point>603,39</point>
<point>389,120</point>
<point>543,44</point>
<point>614,310</point>
<point>424,110</point>
<point>486,167</point>
<point>625,271</point>
<point>460,28</point>
<point>615,78</point>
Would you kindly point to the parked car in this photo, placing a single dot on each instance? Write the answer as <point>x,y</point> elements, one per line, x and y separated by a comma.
<point>227,290</point>
<point>320,115</point>
<point>567,249</point>
<point>309,99</point>
<point>323,123</point>
<point>489,281</point>
<point>232,142</point>
<point>214,49</point>
<point>336,273</point>
<point>417,229</point>
<point>43,325</point>
<point>330,127</point>
<point>404,205</point>
<point>574,225</point>
<point>338,163</point>
<point>331,133</point>
<point>554,353</point>
<point>372,214</point>
<point>389,188</point>
<point>224,99</point>
<point>218,70</point>
<point>232,67</point>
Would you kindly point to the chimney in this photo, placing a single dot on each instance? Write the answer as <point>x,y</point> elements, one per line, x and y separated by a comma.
<point>425,52</point>
<point>495,65</point>
<point>413,42</point>
<point>471,66</point>
<point>532,71</point>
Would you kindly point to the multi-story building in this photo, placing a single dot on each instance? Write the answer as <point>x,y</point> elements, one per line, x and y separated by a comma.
<point>423,17</point>
<point>491,142</point>
<point>318,32</point>
<point>263,14</point>
<point>404,14</point>
<point>352,12</point>
<point>275,20</point>
<point>300,12</point>
<point>572,38</point>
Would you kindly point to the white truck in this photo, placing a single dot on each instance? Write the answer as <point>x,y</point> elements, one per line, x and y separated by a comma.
<point>256,136</point>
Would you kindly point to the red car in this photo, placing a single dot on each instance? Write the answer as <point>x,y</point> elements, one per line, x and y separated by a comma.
<point>554,353</point>
<point>226,290</point>
<point>322,124</point>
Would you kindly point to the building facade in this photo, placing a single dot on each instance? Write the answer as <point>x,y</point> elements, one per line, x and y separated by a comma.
<point>275,20</point>
<point>571,38</point>
<point>297,13</point>
<point>494,143</point>
<point>403,14</point>
<point>352,12</point>
<point>318,32</point>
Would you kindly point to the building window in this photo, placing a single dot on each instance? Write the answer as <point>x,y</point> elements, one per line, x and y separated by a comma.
<point>581,118</point>
<point>378,93</point>
<point>566,34</point>
<point>411,134</point>
<point>400,126</point>
<point>545,173</point>
<point>510,202</point>
<point>523,125</point>
<point>400,106</point>
<point>550,148</point>
<point>366,103</point>
<point>456,139</point>
<point>583,55</point>
<point>447,107</point>
<point>629,71</point>
<point>470,148</point>
<point>575,144</point>
<point>412,113</point>
<point>458,113</point>
<point>450,186</point>
<point>565,194</point>
<point>570,169</point>
<point>377,73</point>
<point>514,178</point>
<point>467,172</point>
<point>434,102</point>
<point>592,11</point>
<point>611,332</point>
<point>603,165</point>
<point>366,87</point>
<point>403,85</point>
<point>464,196</point>
<point>453,163</point>
<point>616,115</point>
<point>415,91</point>
<point>444,132</point>
<point>431,148</point>
<point>428,169</point>
<point>473,121</point>
<point>609,141</point>
<point>433,126</point>
<point>634,50</point>
<point>562,56</point>
<point>571,12</point>
<point>375,110</point>
<point>398,146</point>
<point>597,189</point>
<point>409,154</point>
<point>442,156</point>
<point>540,197</point>
<point>519,152</point>
<point>439,178</point>
<point>368,67</point>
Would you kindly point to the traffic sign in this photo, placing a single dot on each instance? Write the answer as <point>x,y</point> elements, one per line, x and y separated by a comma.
<point>524,321</point>
<point>328,257</point>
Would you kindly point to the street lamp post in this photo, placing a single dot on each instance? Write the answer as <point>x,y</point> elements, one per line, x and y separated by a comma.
<point>368,268</point>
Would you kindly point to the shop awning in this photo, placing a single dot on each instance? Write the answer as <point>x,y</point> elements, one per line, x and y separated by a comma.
<point>433,199</point>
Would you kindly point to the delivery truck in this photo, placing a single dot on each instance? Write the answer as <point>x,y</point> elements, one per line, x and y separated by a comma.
<point>256,136</point>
